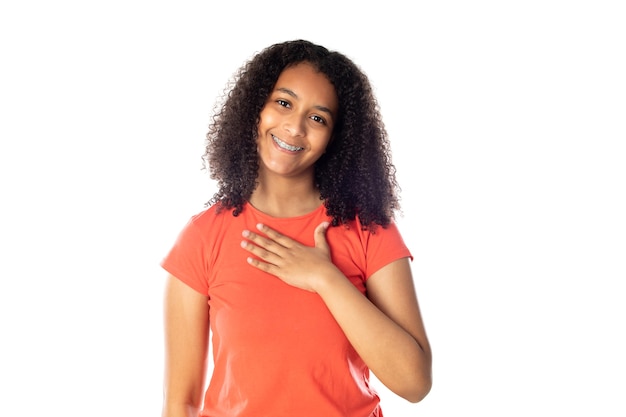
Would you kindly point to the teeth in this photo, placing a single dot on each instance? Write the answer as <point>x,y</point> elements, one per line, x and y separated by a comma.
<point>286,145</point>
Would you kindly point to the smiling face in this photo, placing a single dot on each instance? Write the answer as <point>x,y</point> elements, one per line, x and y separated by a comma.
<point>296,123</point>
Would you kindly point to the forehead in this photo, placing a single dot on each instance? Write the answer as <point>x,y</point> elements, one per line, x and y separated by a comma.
<point>307,83</point>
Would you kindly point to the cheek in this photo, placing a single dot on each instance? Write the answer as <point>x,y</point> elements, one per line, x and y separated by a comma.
<point>322,141</point>
<point>266,118</point>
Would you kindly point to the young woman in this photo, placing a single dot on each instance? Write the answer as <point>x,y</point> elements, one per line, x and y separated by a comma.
<point>296,269</point>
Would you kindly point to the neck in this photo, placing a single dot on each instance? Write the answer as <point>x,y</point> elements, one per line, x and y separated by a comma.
<point>285,198</point>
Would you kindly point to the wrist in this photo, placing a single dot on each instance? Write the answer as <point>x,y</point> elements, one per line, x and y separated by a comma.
<point>328,279</point>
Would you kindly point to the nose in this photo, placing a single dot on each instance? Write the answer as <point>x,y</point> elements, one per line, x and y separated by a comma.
<point>294,124</point>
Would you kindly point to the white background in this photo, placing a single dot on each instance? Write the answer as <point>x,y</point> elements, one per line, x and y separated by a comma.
<point>507,121</point>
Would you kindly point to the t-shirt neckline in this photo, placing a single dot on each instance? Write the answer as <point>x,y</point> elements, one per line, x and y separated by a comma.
<point>313,213</point>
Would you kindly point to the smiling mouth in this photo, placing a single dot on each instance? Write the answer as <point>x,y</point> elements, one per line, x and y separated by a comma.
<point>286,146</point>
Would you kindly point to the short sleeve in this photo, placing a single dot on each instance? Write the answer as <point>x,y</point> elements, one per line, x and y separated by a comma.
<point>187,259</point>
<point>384,246</point>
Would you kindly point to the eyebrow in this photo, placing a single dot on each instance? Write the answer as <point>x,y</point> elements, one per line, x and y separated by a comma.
<point>294,95</point>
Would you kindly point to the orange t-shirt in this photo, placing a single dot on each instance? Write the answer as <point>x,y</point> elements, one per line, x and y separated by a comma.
<point>277,350</point>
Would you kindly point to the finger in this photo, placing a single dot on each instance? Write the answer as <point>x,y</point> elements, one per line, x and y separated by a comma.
<point>258,251</point>
<point>264,242</point>
<point>319,236</point>
<point>263,266</point>
<point>275,236</point>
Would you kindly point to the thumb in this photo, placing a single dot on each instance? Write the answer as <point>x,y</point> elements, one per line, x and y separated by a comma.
<point>320,236</point>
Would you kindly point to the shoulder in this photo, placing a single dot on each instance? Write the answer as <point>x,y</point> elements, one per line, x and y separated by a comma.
<point>368,249</point>
<point>210,216</point>
<point>370,240</point>
<point>356,229</point>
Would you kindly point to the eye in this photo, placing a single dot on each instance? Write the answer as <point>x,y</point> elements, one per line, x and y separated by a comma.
<point>318,119</point>
<point>283,103</point>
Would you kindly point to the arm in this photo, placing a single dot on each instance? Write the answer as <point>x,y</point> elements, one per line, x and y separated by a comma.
<point>186,323</point>
<point>386,329</point>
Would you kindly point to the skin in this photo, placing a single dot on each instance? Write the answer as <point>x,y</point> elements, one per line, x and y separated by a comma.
<point>300,111</point>
<point>186,319</point>
<point>385,328</point>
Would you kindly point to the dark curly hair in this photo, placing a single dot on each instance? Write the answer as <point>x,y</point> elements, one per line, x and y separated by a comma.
<point>355,176</point>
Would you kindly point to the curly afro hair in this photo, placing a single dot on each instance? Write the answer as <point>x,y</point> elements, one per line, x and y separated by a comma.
<point>355,176</point>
